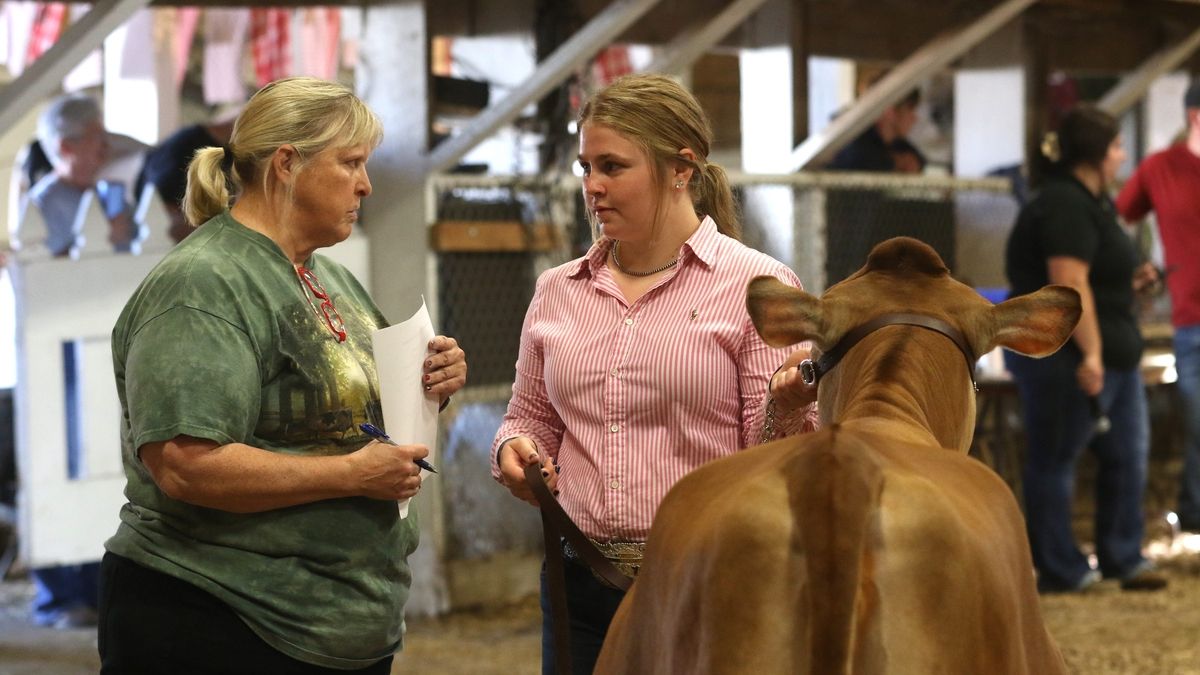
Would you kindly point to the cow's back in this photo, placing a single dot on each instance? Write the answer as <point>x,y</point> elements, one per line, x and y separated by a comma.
<point>877,565</point>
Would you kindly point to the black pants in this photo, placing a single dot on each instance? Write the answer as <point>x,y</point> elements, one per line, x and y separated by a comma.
<point>152,623</point>
<point>591,606</point>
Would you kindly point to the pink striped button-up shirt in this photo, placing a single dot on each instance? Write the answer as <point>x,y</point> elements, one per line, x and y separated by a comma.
<point>629,398</point>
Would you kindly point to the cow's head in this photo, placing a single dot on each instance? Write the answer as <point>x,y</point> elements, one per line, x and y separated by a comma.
<point>906,275</point>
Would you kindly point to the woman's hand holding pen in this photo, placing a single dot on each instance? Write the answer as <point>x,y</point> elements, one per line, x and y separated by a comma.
<point>513,457</point>
<point>445,369</point>
<point>386,471</point>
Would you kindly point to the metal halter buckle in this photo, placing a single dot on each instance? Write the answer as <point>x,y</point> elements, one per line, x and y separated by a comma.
<point>808,372</point>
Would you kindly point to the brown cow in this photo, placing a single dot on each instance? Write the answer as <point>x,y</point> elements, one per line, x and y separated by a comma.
<point>875,545</point>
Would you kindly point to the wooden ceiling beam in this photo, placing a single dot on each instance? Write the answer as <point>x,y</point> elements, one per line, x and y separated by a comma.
<point>583,45</point>
<point>1132,88</point>
<point>931,57</point>
<point>694,41</point>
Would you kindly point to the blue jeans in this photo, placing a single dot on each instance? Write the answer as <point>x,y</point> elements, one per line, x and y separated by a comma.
<point>1059,425</point>
<point>1187,364</point>
<point>58,590</point>
<point>591,606</point>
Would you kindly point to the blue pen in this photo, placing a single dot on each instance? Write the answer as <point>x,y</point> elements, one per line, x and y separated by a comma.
<point>377,433</point>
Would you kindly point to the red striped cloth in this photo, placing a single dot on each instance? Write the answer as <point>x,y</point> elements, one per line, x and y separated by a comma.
<point>611,63</point>
<point>187,19</point>
<point>320,36</point>
<point>47,27</point>
<point>631,398</point>
<point>270,44</point>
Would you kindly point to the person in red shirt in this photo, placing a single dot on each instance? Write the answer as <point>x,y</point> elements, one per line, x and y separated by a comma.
<point>638,361</point>
<point>1167,183</point>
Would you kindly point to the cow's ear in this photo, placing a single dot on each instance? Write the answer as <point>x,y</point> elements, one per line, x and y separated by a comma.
<point>1036,324</point>
<point>783,315</point>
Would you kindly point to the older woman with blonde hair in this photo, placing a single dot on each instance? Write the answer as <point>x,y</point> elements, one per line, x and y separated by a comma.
<point>261,533</point>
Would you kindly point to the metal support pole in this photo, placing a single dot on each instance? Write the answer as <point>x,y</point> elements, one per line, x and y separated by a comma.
<point>692,43</point>
<point>600,31</point>
<point>43,76</point>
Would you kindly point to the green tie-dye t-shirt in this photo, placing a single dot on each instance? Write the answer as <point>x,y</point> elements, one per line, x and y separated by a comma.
<point>221,342</point>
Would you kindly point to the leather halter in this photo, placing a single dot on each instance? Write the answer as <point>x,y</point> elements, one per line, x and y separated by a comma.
<point>811,371</point>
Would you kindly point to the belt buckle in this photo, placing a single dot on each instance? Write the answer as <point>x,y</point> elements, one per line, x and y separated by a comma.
<point>625,556</point>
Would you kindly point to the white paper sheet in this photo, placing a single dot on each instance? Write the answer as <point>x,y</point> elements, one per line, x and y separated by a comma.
<point>409,415</point>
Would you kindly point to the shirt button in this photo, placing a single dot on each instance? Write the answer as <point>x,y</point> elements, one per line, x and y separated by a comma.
<point>614,372</point>
<point>629,322</point>
<point>616,484</point>
<point>615,428</point>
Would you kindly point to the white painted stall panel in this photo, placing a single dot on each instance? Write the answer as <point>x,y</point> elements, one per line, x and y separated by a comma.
<point>66,400</point>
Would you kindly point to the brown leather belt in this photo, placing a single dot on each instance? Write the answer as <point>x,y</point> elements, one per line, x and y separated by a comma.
<point>558,528</point>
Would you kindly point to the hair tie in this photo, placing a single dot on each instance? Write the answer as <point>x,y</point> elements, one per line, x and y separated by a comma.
<point>1050,147</point>
<point>227,159</point>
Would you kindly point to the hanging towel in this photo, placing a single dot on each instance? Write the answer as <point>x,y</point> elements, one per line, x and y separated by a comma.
<point>16,25</point>
<point>224,44</point>
<point>48,24</point>
<point>270,44</point>
<point>317,46</point>
<point>186,20</point>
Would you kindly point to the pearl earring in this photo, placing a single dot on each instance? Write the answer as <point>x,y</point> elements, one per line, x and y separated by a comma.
<point>678,185</point>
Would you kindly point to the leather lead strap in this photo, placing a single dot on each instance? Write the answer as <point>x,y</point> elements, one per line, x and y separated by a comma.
<point>830,359</point>
<point>555,524</point>
<point>556,589</point>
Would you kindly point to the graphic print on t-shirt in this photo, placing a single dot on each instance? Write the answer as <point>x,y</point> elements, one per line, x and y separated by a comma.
<point>322,389</point>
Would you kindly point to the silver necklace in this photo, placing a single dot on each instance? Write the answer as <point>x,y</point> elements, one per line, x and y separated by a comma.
<point>617,261</point>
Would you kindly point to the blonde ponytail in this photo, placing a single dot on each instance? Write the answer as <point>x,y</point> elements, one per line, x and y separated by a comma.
<point>207,193</point>
<point>714,198</point>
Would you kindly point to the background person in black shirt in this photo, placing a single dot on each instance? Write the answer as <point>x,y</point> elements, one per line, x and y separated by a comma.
<point>884,146</point>
<point>1068,234</point>
<point>166,167</point>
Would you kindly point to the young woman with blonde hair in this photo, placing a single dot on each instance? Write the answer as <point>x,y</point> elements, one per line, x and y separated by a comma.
<point>638,361</point>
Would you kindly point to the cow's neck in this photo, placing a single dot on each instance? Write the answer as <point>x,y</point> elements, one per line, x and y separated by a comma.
<point>919,389</point>
<point>895,419</point>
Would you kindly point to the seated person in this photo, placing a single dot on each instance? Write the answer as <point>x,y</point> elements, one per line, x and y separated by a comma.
<point>884,146</point>
<point>34,164</point>
<point>166,167</point>
<point>72,135</point>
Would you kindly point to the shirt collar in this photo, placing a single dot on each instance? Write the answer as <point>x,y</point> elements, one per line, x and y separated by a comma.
<point>704,242</point>
<point>703,245</point>
<point>1072,179</point>
<point>591,262</point>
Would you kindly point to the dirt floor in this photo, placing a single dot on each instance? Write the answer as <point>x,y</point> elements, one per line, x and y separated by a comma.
<point>1103,632</point>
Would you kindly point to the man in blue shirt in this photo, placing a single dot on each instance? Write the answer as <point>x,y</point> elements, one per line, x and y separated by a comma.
<point>72,135</point>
